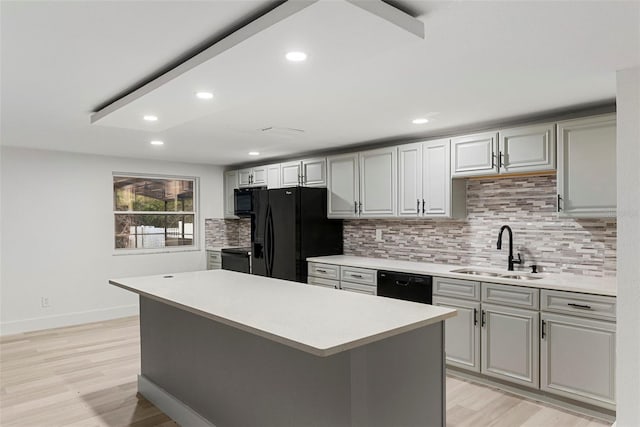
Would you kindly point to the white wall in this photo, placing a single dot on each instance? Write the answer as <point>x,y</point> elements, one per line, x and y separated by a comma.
<point>57,236</point>
<point>628,325</point>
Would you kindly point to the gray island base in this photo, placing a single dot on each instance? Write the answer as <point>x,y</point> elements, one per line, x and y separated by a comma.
<point>202,371</point>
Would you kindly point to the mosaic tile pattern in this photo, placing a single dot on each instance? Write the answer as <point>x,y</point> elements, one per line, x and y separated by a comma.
<point>526,204</point>
<point>227,232</point>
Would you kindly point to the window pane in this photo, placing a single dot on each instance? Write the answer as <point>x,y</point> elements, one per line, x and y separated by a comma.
<point>152,231</point>
<point>150,194</point>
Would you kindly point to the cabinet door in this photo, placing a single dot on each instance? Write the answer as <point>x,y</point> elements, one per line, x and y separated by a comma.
<point>290,174</point>
<point>314,172</point>
<point>378,182</point>
<point>410,180</point>
<point>244,177</point>
<point>587,167</point>
<point>230,184</point>
<point>436,178</point>
<point>578,359</point>
<point>342,186</point>
<point>527,149</point>
<point>510,343</point>
<point>273,176</point>
<point>474,155</point>
<point>462,333</point>
<point>259,176</point>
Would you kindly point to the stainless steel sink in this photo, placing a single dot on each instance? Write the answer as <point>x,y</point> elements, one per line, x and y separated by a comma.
<point>473,272</point>
<point>476,272</point>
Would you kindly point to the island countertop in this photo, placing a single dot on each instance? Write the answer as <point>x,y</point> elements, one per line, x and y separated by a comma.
<point>316,320</point>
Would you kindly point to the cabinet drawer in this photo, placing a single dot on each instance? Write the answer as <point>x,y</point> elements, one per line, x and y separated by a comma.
<point>326,283</point>
<point>355,287</point>
<point>595,306</point>
<point>456,288</point>
<point>516,296</point>
<point>358,275</point>
<point>327,271</point>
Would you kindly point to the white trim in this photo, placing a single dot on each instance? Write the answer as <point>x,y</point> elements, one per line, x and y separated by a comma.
<point>170,405</point>
<point>60,320</point>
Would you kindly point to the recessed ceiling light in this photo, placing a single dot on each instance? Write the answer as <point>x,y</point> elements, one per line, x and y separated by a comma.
<point>157,142</point>
<point>296,56</point>
<point>420,121</point>
<point>204,95</point>
<point>150,118</point>
<point>254,153</point>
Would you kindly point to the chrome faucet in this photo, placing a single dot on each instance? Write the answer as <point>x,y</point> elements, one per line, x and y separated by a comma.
<point>499,246</point>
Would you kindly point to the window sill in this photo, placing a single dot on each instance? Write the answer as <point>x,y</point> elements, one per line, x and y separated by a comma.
<point>124,252</point>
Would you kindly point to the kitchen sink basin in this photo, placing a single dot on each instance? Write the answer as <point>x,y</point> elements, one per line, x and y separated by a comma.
<point>476,272</point>
<point>493,274</point>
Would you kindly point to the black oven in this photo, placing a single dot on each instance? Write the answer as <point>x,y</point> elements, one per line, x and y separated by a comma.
<point>243,201</point>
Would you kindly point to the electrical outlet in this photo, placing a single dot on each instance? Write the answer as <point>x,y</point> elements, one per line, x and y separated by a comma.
<point>379,235</point>
<point>44,302</point>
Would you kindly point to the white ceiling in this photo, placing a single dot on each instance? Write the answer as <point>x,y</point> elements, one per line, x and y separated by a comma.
<point>364,80</point>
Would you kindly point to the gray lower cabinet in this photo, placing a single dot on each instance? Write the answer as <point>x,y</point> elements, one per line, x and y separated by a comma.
<point>214,260</point>
<point>577,358</point>
<point>462,333</point>
<point>510,341</point>
<point>352,279</point>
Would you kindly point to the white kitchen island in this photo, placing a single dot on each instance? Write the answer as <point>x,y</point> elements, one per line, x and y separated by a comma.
<point>230,349</point>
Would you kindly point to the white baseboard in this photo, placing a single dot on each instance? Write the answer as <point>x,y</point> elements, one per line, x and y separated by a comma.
<point>69,319</point>
<point>170,405</point>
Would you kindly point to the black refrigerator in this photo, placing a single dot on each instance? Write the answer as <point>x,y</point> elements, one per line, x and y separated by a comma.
<point>287,226</point>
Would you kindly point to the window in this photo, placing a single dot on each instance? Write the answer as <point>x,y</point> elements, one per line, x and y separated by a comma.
<point>153,212</point>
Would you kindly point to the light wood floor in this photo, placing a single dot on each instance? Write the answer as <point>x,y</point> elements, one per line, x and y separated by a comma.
<point>86,376</point>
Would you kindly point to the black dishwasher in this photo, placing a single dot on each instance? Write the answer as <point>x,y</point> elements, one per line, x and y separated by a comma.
<point>408,287</point>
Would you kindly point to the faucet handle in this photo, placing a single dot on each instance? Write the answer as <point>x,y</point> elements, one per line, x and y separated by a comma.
<point>534,268</point>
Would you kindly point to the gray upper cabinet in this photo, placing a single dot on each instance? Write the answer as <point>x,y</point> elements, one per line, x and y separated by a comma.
<point>587,167</point>
<point>527,149</point>
<point>314,172</point>
<point>343,194</point>
<point>308,173</point>
<point>252,177</point>
<point>410,180</point>
<point>273,176</point>
<point>474,155</point>
<point>230,184</point>
<point>378,182</point>
<point>424,181</point>
<point>290,174</point>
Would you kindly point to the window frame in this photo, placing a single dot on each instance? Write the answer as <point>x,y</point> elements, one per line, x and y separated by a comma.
<point>195,247</point>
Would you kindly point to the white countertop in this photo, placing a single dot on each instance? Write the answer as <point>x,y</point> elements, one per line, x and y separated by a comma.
<point>562,282</point>
<point>317,320</point>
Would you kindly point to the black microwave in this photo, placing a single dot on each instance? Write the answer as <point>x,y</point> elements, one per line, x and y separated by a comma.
<point>243,201</point>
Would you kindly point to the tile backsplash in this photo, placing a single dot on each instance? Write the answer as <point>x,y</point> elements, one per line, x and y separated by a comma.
<point>227,232</point>
<point>526,204</point>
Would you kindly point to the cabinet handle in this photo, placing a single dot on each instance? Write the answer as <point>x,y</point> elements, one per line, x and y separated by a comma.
<point>493,160</point>
<point>543,332</point>
<point>360,209</point>
<point>484,318</point>
<point>319,270</point>
<point>500,159</point>
<point>357,276</point>
<point>559,198</point>
<point>423,206</point>
<point>475,316</point>
<point>580,306</point>
<point>355,207</point>
<point>418,206</point>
